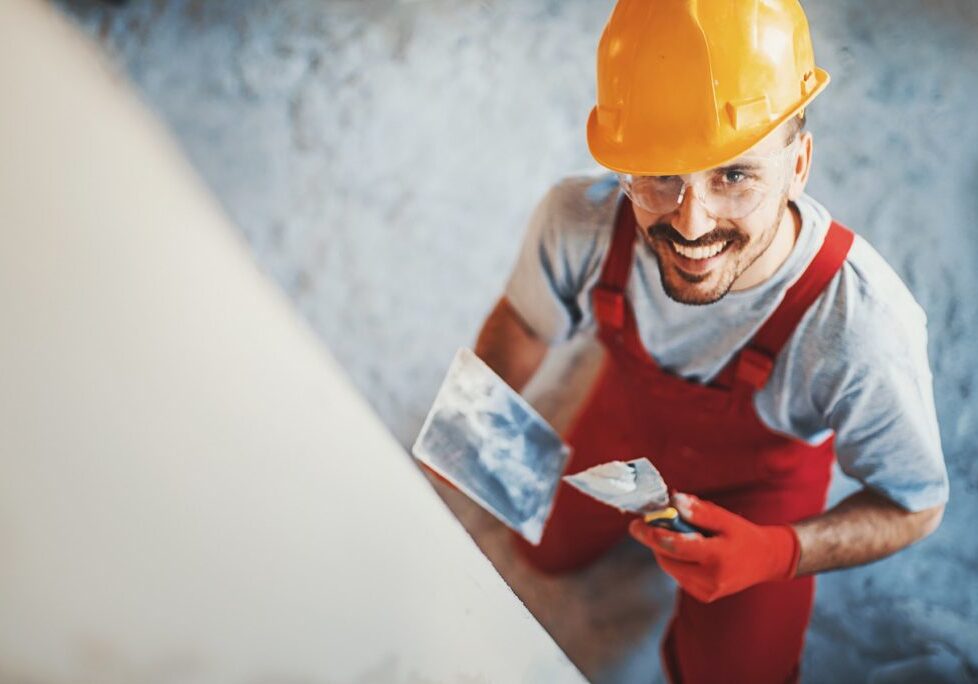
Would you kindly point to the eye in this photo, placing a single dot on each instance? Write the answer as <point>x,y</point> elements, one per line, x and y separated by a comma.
<point>734,177</point>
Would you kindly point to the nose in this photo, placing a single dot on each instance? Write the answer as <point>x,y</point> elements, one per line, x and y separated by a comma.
<point>690,218</point>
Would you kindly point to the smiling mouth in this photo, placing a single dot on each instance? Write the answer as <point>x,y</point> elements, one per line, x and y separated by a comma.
<point>699,253</point>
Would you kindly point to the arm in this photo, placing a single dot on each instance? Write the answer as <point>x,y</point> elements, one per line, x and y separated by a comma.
<point>509,347</point>
<point>860,529</point>
<point>559,256</point>
<point>739,553</point>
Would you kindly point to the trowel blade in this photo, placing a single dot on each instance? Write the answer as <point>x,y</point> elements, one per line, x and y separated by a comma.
<point>630,486</point>
<point>485,439</point>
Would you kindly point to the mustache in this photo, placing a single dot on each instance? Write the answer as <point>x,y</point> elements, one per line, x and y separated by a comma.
<point>666,232</point>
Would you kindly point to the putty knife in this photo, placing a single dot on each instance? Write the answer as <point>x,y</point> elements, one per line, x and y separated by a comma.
<point>485,439</point>
<point>633,487</point>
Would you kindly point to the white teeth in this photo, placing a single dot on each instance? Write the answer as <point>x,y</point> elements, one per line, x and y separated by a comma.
<point>699,252</point>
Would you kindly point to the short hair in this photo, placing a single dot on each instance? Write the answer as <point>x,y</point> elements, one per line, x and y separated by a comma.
<point>793,127</point>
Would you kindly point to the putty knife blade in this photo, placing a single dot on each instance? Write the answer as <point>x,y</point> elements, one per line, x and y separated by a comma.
<point>485,439</point>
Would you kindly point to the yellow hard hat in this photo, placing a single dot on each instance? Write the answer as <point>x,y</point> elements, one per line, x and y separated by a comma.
<point>686,85</point>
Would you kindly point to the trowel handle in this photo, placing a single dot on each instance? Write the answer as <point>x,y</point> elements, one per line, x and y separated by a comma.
<point>669,519</point>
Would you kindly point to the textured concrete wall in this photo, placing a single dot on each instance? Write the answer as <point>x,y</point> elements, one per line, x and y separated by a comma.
<point>381,158</point>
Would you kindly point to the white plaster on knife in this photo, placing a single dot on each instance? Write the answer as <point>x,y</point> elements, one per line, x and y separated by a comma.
<point>632,487</point>
<point>611,478</point>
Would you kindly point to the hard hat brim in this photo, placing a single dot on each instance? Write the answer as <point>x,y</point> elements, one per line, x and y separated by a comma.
<point>666,160</point>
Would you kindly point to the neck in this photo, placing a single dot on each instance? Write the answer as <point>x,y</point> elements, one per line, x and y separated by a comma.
<point>776,253</point>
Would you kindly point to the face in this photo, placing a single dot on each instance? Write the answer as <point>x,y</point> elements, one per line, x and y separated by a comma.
<point>702,254</point>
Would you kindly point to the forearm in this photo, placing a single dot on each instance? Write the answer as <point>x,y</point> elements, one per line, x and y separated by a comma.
<point>860,529</point>
<point>509,347</point>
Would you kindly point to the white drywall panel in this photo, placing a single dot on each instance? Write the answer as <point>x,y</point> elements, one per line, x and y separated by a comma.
<point>189,488</point>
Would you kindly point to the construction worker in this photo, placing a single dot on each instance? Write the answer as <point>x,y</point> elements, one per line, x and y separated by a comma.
<point>750,340</point>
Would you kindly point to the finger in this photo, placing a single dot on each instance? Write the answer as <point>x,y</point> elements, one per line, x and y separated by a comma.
<point>692,548</point>
<point>651,535</point>
<point>703,594</point>
<point>682,570</point>
<point>645,534</point>
<point>672,555</point>
<point>690,578</point>
<point>705,514</point>
<point>438,477</point>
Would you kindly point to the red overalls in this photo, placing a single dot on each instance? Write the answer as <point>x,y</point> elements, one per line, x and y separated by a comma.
<point>706,440</point>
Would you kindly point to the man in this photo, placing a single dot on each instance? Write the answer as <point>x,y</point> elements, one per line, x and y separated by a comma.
<point>749,339</point>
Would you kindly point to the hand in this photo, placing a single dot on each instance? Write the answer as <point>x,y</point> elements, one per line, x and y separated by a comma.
<point>436,477</point>
<point>741,554</point>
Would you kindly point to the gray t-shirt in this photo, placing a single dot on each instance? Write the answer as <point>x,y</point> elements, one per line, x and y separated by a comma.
<point>856,365</point>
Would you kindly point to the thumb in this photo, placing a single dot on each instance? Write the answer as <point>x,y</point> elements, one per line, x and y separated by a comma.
<point>706,514</point>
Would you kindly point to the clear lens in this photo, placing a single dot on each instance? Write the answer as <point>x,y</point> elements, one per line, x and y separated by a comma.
<point>732,191</point>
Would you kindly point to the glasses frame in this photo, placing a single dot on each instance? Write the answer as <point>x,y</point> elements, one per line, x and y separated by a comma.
<point>625,181</point>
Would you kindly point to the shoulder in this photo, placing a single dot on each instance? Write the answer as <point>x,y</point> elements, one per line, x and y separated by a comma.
<point>580,206</point>
<point>865,323</point>
<point>869,308</point>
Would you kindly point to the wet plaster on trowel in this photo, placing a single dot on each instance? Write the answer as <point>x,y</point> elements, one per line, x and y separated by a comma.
<point>612,478</point>
<point>382,159</point>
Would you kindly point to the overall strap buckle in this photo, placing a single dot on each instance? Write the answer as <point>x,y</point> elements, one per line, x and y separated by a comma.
<point>756,361</point>
<point>753,368</point>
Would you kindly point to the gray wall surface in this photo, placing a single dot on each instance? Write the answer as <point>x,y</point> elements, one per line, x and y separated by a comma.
<point>382,157</point>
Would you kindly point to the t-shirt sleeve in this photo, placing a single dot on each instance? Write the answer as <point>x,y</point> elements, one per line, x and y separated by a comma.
<point>879,402</point>
<point>887,435</point>
<point>860,370</point>
<point>559,256</point>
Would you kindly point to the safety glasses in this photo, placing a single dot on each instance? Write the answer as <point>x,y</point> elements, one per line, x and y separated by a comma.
<point>731,191</point>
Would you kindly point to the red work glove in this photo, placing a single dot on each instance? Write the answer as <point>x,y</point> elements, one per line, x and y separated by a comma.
<point>741,554</point>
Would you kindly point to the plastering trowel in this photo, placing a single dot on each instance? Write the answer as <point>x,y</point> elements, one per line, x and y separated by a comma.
<point>485,439</point>
<point>633,487</point>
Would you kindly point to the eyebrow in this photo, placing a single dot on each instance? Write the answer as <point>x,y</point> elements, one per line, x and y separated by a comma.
<point>745,165</point>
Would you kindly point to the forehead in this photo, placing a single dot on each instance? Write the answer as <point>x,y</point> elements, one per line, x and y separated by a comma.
<point>772,143</point>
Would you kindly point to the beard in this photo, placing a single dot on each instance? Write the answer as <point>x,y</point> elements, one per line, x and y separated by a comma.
<point>699,289</point>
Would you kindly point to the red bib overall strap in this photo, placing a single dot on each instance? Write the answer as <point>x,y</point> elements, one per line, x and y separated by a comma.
<point>608,296</point>
<point>753,365</point>
<point>615,318</point>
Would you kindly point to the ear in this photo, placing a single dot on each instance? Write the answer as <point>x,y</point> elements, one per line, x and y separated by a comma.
<point>801,166</point>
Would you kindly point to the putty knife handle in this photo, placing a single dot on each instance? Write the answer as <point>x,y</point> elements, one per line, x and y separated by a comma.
<point>669,519</point>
